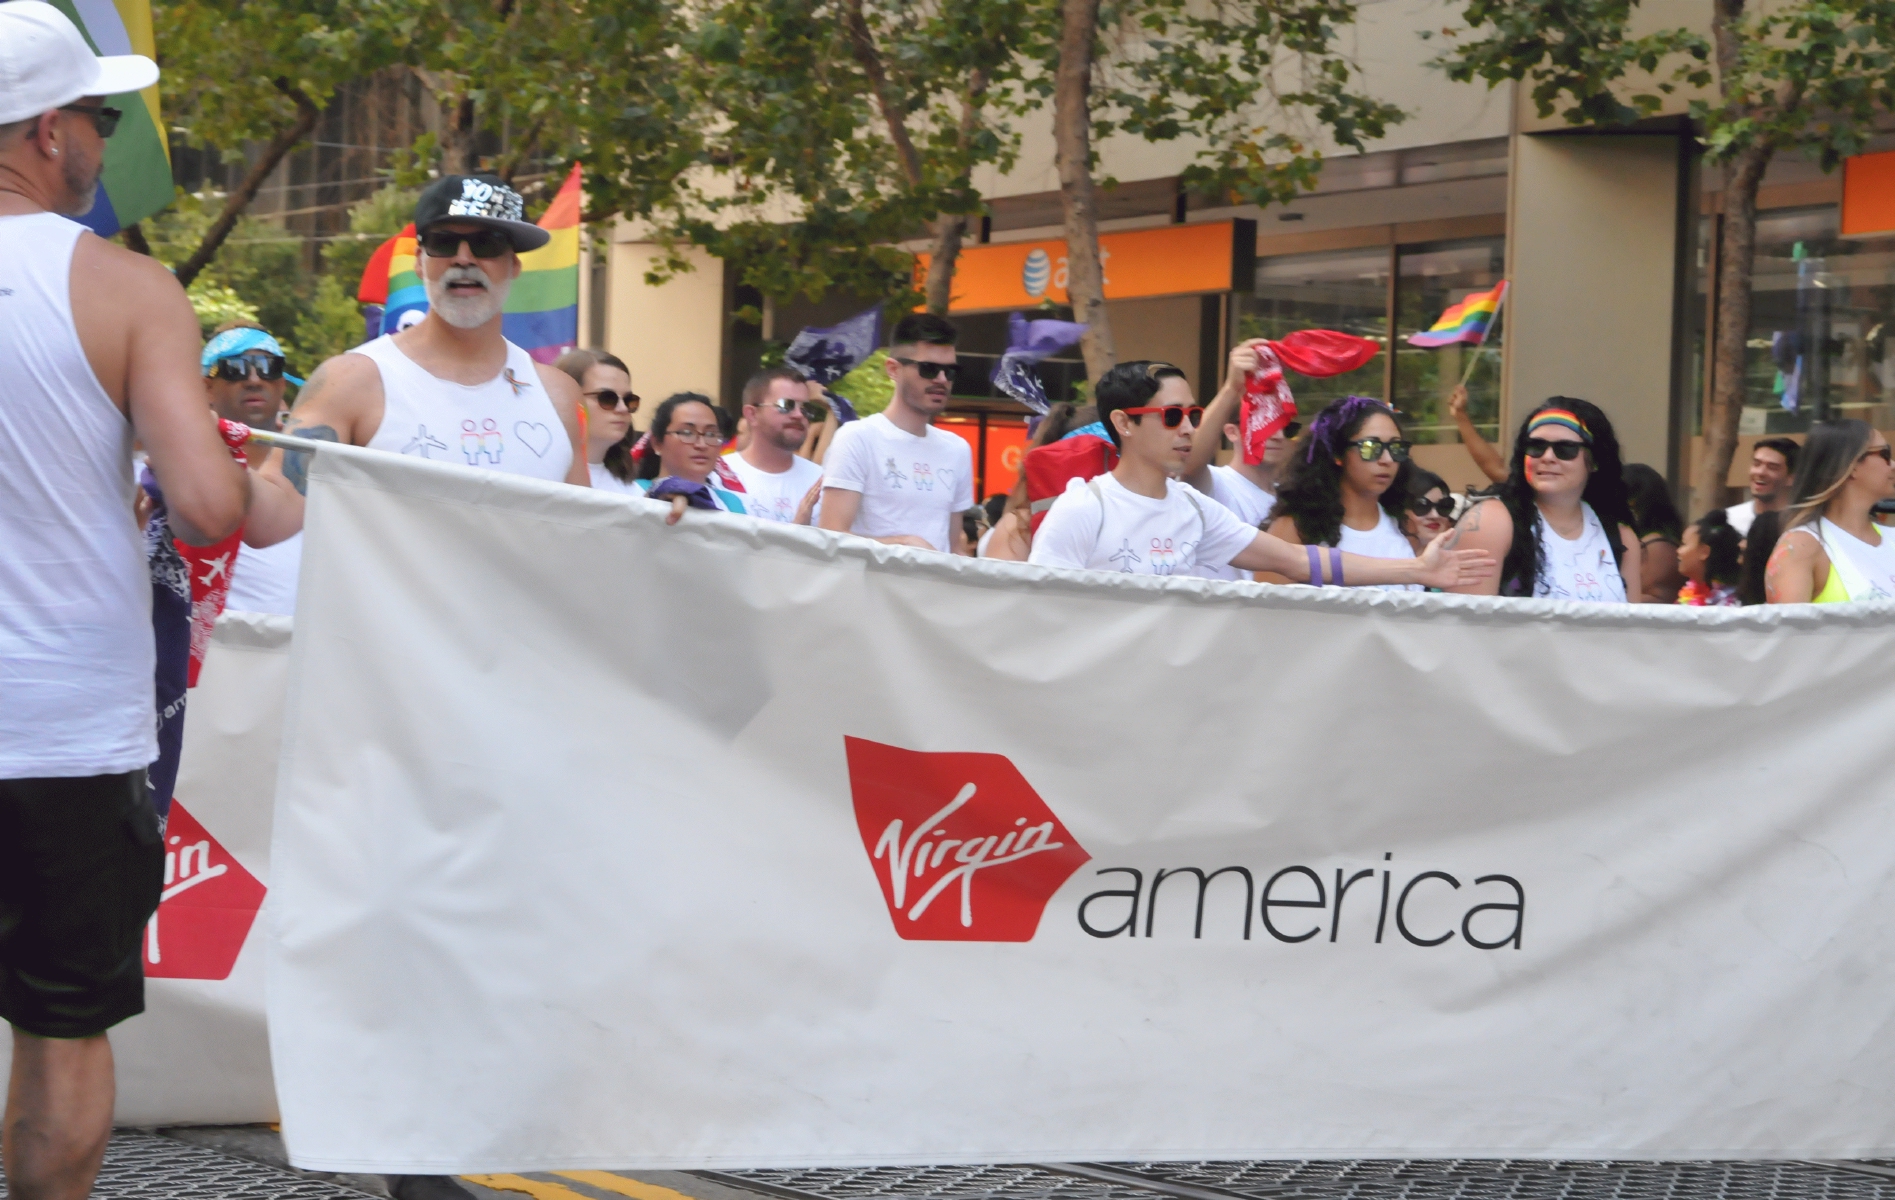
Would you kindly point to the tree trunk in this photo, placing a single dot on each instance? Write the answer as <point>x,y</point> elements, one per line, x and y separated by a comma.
<point>1736,258</point>
<point>947,249</point>
<point>455,121</point>
<point>1072,136</point>
<point>307,114</point>
<point>134,239</point>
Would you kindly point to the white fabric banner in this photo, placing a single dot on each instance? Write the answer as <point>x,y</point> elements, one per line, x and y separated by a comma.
<point>607,844</point>
<point>199,1054</point>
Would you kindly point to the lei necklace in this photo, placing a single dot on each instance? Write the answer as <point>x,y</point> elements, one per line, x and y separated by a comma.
<point>1702,594</point>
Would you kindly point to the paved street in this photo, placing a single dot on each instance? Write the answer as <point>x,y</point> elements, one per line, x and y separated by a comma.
<point>246,1163</point>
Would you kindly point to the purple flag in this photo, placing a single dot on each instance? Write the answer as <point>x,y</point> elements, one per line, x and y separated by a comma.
<point>1028,342</point>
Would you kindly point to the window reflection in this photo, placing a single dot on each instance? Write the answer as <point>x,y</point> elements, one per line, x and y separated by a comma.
<point>1432,278</point>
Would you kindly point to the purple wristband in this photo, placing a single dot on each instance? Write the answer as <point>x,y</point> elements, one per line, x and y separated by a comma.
<point>1335,566</point>
<point>1315,565</point>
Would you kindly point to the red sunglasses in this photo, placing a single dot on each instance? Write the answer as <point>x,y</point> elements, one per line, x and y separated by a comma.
<point>1174,414</point>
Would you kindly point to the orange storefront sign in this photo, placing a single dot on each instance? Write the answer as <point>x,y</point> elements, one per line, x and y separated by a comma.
<point>1868,194</point>
<point>1176,260</point>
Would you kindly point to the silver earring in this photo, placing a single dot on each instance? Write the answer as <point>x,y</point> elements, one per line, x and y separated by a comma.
<point>55,151</point>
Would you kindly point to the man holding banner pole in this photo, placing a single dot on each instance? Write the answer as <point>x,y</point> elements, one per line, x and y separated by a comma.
<point>97,345</point>
<point>450,388</point>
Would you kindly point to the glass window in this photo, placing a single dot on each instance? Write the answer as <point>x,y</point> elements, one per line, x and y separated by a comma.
<point>1433,277</point>
<point>1346,290</point>
<point>1821,308</point>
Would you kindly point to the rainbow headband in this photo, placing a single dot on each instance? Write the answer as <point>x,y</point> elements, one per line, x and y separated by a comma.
<point>1562,418</point>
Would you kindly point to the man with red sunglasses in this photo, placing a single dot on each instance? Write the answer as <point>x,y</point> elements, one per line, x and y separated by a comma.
<point>451,388</point>
<point>1138,519</point>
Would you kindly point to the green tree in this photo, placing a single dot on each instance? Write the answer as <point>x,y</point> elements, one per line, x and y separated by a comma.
<point>1257,81</point>
<point>821,132</point>
<point>254,75</point>
<point>1798,75</point>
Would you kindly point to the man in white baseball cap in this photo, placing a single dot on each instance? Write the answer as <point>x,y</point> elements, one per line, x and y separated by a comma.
<point>97,345</point>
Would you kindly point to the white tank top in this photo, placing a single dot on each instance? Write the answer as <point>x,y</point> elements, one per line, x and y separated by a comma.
<point>76,651</point>
<point>1386,540</point>
<point>1582,569</point>
<point>505,424</point>
<point>1867,572</point>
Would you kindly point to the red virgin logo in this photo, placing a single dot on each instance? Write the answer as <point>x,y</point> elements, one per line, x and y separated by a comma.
<point>964,848</point>
<point>207,907</point>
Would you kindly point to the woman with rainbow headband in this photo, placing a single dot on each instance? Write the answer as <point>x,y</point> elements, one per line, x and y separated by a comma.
<point>1561,519</point>
<point>1347,484</point>
<point>1831,549</point>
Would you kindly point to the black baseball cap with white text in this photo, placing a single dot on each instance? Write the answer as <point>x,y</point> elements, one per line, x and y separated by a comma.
<point>481,200</point>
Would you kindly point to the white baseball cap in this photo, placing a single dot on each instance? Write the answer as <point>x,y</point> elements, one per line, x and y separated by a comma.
<point>45,63</point>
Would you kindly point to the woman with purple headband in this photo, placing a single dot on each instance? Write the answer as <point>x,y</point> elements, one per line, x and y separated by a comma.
<point>1347,483</point>
<point>1562,519</point>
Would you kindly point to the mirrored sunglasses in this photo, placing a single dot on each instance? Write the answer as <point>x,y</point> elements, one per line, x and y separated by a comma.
<point>238,367</point>
<point>1371,449</point>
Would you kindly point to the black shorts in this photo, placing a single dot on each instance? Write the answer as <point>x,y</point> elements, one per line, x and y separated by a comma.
<point>81,867</point>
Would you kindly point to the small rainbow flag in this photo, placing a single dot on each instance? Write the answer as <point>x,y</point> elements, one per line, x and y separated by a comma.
<point>1466,321</point>
<point>137,178</point>
<point>542,313</point>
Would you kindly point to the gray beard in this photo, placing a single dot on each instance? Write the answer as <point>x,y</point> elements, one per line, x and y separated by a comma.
<point>466,312</point>
<point>82,180</point>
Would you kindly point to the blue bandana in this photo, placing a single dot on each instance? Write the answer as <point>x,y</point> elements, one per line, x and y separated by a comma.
<point>233,342</point>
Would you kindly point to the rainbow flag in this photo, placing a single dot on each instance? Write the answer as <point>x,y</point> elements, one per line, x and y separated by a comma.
<point>137,179</point>
<point>1466,321</point>
<point>542,315</point>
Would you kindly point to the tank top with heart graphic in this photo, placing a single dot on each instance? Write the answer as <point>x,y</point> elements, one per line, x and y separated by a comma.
<point>505,424</point>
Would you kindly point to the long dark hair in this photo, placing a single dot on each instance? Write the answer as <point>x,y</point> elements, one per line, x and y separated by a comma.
<point>1311,491</point>
<point>648,464</point>
<point>1605,493</point>
<point>1652,510</point>
<point>1830,454</point>
<point>1758,547</point>
<point>618,459</point>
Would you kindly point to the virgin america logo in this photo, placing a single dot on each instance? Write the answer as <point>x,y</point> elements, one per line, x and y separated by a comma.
<point>964,848</point>
<point>207,907</point>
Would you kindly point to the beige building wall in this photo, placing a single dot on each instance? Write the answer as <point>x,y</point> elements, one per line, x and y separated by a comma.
<point>672,336</point>
<point>1592,250</point>
<point>1166,329</point>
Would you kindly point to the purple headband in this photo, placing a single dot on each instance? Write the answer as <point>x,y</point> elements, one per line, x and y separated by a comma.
<point>1325,432</point>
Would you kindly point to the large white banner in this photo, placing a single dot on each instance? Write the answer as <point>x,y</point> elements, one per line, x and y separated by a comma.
<point>607,844</point>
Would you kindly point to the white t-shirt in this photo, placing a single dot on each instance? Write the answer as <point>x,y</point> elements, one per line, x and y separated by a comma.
<point>912,485</point>
<point>1386,540</point>
<point>1248,502</point>
<point>264,581</point>
<point>604,481</point>
<point>775,496</point>
<point>1580,569</point>
<point>1742,516</point>
<point>1116,529</point>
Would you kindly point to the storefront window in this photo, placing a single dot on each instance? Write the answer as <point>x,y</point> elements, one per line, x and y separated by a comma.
<point>1345,290</point>
<point>1432,278</point>
<point>1821,311</point>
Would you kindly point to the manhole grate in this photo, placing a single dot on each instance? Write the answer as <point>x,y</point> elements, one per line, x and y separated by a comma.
<point>144,1166</point>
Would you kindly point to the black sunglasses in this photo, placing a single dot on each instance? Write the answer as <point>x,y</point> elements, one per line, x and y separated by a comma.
<point>931,370</point>
<point>237,368</point>
<point>1372,448</point>
<point>608,399</point>
<point>1565,451</point>
<point>104,119</point>
<point>1291,430</point>
<point>1421,506</point>
<point>445,243</point>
